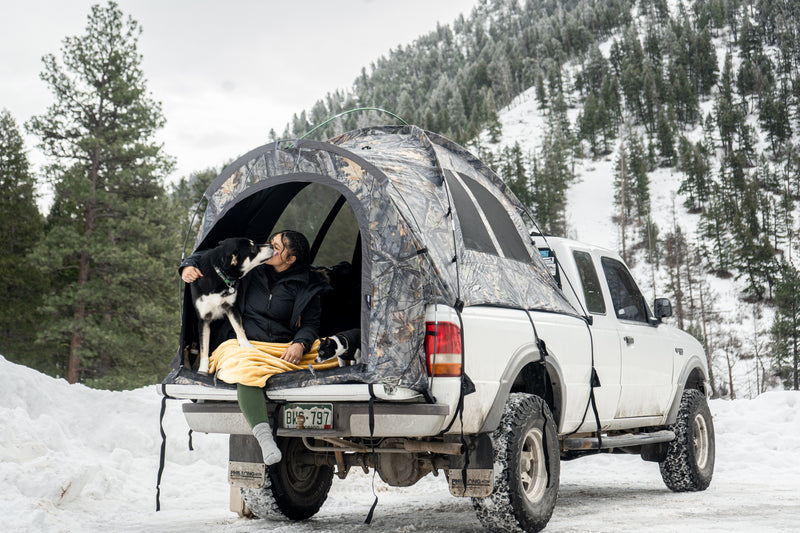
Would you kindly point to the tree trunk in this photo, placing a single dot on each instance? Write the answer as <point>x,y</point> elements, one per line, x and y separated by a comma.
<point>689,283</point>
<point>730,373</point>
<point>84,264</point>
<point>796,362</point>
<point>714,393</point>
<point>79,315</point>
<point>677,257</point>
<point>623,216</point>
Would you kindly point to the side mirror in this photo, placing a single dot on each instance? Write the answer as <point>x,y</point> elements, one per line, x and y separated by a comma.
<point>662,307</point>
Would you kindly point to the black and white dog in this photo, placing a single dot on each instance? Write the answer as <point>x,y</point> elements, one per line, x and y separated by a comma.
<point>214,293</point>
<point>344,345</point>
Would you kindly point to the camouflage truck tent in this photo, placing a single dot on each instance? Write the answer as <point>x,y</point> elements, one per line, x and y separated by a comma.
<point>406,218</point>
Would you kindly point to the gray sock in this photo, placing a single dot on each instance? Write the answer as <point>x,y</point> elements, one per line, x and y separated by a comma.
<point>269,450</point>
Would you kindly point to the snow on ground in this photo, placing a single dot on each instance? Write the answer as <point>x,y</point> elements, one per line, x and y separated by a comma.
<point>74,459</point>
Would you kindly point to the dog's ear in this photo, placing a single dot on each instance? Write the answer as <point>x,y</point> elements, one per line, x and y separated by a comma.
<point>234,260</point>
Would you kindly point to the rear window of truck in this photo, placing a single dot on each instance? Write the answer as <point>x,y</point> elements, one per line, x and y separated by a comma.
<point>592,293</point>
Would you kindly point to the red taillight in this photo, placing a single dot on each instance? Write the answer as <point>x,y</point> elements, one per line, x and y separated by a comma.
<point>443,349</point>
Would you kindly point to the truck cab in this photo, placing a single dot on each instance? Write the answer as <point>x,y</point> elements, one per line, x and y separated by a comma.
<point>641,362</point>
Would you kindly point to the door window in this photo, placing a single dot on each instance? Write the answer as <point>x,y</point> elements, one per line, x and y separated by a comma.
<point>625,295</point>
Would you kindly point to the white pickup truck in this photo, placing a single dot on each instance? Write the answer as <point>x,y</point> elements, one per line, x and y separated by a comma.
<point>617,380</point>
<point>475,359</point>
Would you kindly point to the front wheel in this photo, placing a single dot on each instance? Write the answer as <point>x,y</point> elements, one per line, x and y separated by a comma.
<point>689,464</point>
<point>295,488</point>
<point>527,468</point>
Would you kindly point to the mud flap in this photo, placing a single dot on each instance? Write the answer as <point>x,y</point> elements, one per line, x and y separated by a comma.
<point>479,472</point>
<point>246,467</point>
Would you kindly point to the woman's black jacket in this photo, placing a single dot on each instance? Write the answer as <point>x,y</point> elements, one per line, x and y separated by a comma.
<point>275,307</point>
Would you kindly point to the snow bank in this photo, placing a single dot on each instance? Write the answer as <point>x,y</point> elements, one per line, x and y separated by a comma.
<point>73,458</point>
<point>78,459</point>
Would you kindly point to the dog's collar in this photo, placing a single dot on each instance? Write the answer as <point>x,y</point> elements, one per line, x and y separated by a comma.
<point>230,284</point>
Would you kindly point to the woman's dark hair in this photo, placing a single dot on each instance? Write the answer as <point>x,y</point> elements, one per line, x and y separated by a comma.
<point>297,245</point>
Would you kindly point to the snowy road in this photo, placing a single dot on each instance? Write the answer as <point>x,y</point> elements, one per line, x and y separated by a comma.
<point>74,459</point>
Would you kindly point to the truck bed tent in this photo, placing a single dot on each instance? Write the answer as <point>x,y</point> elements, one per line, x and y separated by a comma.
<point>435,225</point>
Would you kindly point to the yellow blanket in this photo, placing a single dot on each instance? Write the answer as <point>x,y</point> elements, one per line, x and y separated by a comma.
<point>248,366</point>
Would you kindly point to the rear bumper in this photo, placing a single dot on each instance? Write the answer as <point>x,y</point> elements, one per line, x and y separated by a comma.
<point>351,419</point>
<point>398,412</point>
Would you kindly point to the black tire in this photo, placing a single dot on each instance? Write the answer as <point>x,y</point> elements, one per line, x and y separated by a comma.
<point>526,488</point>
<point>293,489</point>
<point>689,464</point>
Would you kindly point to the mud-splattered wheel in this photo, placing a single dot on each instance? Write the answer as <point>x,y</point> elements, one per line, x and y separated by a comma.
<point>525,490</point>
<point>295,488</point>
<point>689,465</point>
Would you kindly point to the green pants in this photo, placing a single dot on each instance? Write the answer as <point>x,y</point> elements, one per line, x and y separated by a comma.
<point>253,404</point>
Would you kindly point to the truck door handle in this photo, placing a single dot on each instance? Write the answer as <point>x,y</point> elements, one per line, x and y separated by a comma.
<point>628,340</point>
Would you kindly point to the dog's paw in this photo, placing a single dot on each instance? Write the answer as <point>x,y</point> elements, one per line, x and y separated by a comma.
<point>246,344</point>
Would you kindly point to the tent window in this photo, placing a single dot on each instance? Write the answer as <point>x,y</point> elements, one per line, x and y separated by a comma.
<point>476,236</point>
<point>340,240</point>
<point>306,212</point>
<point>504,229</point>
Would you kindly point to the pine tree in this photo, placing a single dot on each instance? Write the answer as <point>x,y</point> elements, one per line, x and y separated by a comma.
<point>728,115</point>
<point>774,118</point>
<point>651,99</point>
<point>693,160</point>
<point>589,124</point>
<point>632,194</point>
<point>406,109</point>
<point>785,330</point>
<point>513,171</point>
<point>492,119</point>
<point>457,116</point>
<point>714,228</point>
<point>111,246</point>
<point>676,256</point>
<point>595,71</point>
<point>639,162</point>
<point>665,135</point>
<point>684,96</point>
<point>623,199</point>
<point>541,92</point>
<point>21,287</point>
<point>704,57</point>
<point>188,200</point>
<point>552,174</point>
<point>754,255</point>
<point>609,109</point>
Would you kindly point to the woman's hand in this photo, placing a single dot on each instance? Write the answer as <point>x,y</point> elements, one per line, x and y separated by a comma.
<point>294,353</point>
<point>190,273</point>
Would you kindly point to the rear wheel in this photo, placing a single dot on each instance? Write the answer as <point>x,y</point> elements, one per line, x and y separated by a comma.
<point>525,490</point>
<point>295,488</point>
<point>689,464</point>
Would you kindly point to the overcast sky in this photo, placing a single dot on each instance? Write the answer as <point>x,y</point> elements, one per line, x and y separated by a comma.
<point>225,71</point>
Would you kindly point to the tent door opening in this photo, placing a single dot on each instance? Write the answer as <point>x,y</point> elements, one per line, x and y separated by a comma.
<point>325,217</point>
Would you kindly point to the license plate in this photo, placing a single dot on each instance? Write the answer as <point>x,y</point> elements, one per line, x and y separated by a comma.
<point>308,416</point>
